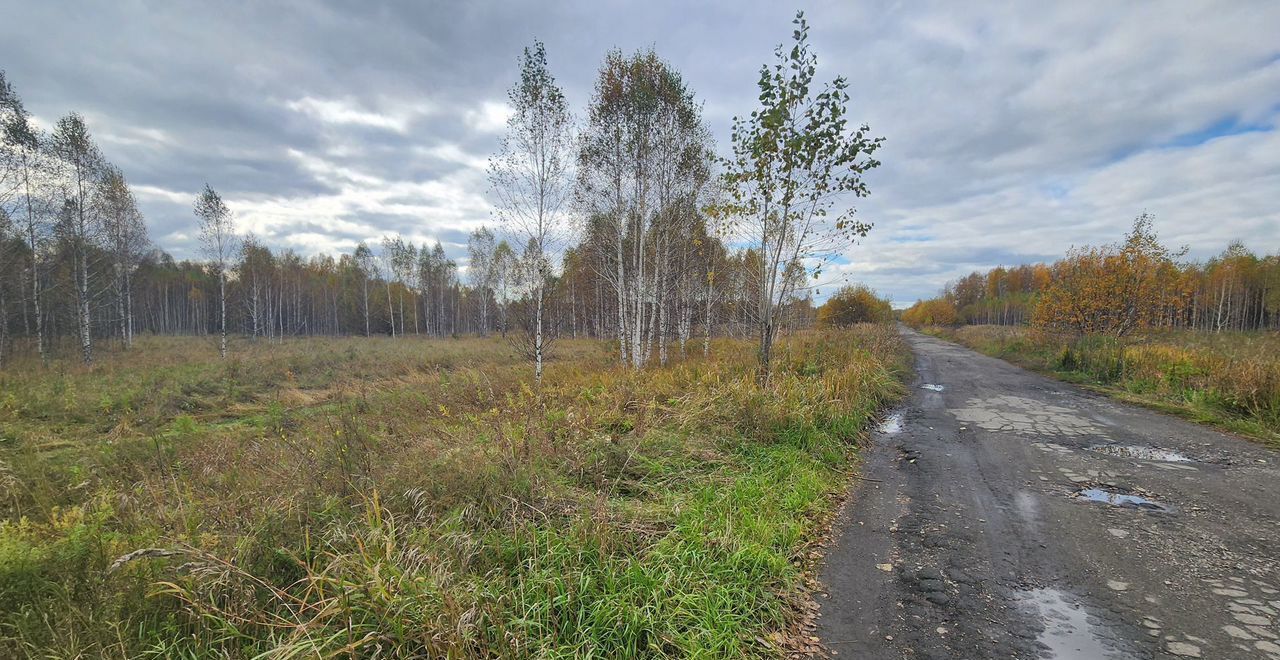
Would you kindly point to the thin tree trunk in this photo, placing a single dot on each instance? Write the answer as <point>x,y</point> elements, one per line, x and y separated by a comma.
<point>222,310</point>
<point>391,312</point>
<point>82,291</point>
<point>366,307</point>
<point>35,259</point>
<point>120,313</point>
<point>706,337</point>
<point>537,341</point>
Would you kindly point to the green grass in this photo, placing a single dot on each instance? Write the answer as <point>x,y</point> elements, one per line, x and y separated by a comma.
<point>1229,380</point>
<point>415,498</point>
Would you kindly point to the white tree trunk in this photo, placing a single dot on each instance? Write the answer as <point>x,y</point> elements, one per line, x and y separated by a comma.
<point>82,291</point>
<point>222,305</point>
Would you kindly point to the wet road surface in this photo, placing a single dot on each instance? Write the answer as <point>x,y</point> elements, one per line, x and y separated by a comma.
<point>1007,515</point>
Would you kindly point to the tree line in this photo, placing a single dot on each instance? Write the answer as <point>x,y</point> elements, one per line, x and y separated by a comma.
<point>1137,284</point>
<point>622,224</point>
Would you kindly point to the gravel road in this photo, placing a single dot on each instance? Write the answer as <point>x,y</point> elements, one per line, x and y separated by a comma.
<point>1003,514</point>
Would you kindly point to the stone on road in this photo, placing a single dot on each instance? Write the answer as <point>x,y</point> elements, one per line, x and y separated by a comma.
<point>1008,515</point>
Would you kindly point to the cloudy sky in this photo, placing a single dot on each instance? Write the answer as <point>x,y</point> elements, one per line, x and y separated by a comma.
<point>1014,129</point>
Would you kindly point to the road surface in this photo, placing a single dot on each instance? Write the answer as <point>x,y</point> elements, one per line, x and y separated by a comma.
<point>1003,514</point>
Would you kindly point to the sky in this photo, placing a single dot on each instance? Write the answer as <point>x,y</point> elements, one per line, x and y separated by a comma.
<point>1013,130</point>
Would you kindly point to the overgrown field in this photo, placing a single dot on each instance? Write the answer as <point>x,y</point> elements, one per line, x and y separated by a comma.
<point>414,498</point>
<point>1231,379</point>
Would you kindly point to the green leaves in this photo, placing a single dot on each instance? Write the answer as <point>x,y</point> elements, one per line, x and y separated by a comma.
<point>794,164</point>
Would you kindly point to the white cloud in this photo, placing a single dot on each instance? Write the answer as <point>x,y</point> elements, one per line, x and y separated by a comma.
<point>344,111</point>
<point>1013,130</point>
<point>490,117</point>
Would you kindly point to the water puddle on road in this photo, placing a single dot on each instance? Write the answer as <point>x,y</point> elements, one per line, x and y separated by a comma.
<point>891,424</point>
<point>1067,631</point>
<point>1115,498</point>
<point>931,387</point>
<point>1141,453</point>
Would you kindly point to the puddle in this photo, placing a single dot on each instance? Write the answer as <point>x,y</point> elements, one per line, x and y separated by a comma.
<point>1067,631</point>
<point>931,387</point>
<point>1141,453</point>
<point>1119,499</point>
<point>891,424</point>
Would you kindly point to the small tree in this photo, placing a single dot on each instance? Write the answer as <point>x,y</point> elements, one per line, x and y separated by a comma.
<point>1113,289</point>
<point>365,263</point>
<point>530,177</point>
<point>854,304</point>
<point>504,274</point>
<point>387,271</point>
<point>795,161</point>
<point>482,271</point>
<point>218,237</point>
<point>935,311</point>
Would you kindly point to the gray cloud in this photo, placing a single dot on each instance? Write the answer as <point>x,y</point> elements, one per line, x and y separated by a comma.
<point>1013,131</point>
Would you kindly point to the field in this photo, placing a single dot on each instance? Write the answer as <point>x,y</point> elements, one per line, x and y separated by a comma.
<point>390,498</point>
<point>1229,379</point>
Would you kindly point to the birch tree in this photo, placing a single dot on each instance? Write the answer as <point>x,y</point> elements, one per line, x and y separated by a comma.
<point>255,281</point>
<point>364,262</point>
<point>530,178</point>
<point>218,238</point>
<point>504,259</point>
<point>81,226</point>
<point>10,189</point>
<point>386,271</point>
<point>127,238</point>
<point>796,163</point>
<point>644,158</point>
<point>29,181</point>
<point>400,257</point>
<point>6,273</point>
<point>481,271</point>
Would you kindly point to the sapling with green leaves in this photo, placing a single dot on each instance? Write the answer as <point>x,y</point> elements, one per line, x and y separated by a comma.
<point>797,164</point>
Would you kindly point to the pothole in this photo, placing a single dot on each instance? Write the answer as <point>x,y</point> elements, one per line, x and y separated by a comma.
<point>891,424</point>
<point>1068,634</point>
<point>1117,498</point>
<point>1141,453</point>
<point>931,387</point>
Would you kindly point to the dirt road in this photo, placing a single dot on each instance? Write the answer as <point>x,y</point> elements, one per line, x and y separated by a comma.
<point>1007,515</point>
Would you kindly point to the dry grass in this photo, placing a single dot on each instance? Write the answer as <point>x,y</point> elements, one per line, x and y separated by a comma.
<point>418,498</point>
<point>1228,379</point>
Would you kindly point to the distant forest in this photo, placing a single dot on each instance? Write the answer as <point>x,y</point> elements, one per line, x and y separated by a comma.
<point>1136,284</point>
<point>78,270</point>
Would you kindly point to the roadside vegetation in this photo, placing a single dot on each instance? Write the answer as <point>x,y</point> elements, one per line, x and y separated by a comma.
<point>1132,287</point>
<point>1231,380</point>
<point>1195,339</point>
<point>329,497</point>
<point>852,304</point>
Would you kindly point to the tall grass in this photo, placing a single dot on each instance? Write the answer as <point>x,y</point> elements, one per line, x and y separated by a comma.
<point>1230,379</point>
<point>420,499</point>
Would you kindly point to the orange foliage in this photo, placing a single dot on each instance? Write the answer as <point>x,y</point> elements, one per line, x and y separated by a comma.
<point>1114,289</point>
<point>938,311</point>
<point>854,304</point>
<point>1120,289</point>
